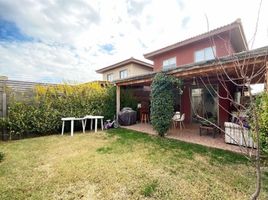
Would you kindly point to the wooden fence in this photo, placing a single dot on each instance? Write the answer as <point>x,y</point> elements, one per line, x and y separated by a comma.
<point>18,89</point>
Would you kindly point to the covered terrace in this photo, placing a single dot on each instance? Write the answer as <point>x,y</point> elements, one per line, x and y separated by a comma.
<point>223,75</point>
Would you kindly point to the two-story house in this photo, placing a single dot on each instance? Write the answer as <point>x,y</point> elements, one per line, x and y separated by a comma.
<point>125,69</point>
<point>223,41</point>
<point>203,61</point>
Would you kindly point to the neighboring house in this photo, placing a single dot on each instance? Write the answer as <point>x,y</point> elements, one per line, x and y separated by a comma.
<point>125,69</point>
<point>199,61</point>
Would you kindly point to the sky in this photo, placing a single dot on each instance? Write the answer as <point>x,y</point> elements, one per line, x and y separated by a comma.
<point>57,41</point>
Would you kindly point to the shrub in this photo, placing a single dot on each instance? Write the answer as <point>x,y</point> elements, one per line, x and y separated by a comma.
<point>110,103</point>
<point>42,114</point>
<point>162,101</point>
<point>262,109</point>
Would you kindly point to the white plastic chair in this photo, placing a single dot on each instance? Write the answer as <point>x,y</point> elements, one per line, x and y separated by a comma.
<point>181,121</point>
<point>176,117</point>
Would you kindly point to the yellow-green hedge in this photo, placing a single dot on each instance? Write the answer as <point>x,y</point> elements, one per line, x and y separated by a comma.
<point>42,114</point>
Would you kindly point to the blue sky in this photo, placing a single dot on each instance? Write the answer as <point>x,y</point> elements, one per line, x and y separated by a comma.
<point>10,32</point>
<point>58,40</point>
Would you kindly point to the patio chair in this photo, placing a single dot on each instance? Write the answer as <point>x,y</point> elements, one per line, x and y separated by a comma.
<point>176,116</point>
<point>144,112</point>
<point>181,121</point>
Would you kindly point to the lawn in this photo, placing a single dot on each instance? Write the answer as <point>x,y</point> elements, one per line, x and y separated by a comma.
<point>121,164</point>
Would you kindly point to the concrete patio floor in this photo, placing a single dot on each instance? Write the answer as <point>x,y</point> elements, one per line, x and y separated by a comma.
<point>189,134</point>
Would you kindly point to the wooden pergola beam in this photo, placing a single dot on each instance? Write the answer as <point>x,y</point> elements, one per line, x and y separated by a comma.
<point>198,71</point>
<point>266,76</point>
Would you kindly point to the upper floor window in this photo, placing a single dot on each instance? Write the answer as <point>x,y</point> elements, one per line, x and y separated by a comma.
<point>110,77</point>
<point>123,74</point>
<point>205,54</point>
<point>169,63</point>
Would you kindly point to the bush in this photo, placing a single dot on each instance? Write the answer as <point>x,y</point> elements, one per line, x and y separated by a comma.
<point>162,101</point>
<point>42,115</point>
<point>110,103</point>
<point>262,109</point>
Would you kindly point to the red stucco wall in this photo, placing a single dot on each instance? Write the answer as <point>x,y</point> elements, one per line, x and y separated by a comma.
<point>186,104</point>
<point>185,55</point>
<point>224,106</point>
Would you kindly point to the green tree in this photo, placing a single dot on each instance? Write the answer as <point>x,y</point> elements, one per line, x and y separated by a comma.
<point>262,111</point>
<point>162,101</point>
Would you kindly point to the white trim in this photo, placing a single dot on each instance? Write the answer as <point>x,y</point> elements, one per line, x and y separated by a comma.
<point>169,63</point>
<point>110,77</point>
<point>204,56</point>
<point>123,74</point>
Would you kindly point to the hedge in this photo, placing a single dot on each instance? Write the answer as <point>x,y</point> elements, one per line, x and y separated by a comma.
<point>42,114</point>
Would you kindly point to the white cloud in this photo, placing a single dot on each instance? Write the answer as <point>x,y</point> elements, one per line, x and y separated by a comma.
<point>69,35</point>
<point>42,62</point>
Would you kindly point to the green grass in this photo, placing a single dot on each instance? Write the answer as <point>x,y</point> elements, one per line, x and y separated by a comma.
<point>122,164</point>
<point>149,189</point>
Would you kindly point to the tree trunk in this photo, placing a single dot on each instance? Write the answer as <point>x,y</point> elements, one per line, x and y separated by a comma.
<point>256,194</point>
<point>258,180</point>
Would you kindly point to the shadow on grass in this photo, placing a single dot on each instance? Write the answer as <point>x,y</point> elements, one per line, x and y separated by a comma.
<point>265,180</point>
<point>128,138</point>
<point>104,150</point>
<point>1,156</point>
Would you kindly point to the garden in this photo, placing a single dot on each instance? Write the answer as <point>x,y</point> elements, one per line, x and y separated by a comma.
<point>117,163</point>
<point>122,164</point>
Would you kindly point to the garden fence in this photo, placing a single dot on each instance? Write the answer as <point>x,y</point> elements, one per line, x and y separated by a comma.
<point>20,90</point>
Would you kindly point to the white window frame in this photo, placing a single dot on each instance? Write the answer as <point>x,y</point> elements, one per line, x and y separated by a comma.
<point>123,74</point>
<point>110,77</point>
<point>169,63</point>
<point>204,55</point>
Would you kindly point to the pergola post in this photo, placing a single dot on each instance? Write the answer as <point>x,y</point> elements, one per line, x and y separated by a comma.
<point>266,77</point>
<point>117,100</point>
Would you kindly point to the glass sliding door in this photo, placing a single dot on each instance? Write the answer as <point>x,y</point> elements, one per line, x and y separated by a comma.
<point>204,103</point>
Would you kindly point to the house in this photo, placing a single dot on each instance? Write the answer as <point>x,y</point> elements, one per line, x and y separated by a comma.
<point>205,63</point>
<point>125,69</point>
<point>223,41</point>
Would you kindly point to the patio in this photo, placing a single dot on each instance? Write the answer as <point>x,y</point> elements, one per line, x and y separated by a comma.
<point>189,134</point>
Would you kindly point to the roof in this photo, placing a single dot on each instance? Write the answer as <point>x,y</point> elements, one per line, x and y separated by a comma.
<point>125,62</point>
<point>255,53</point>
<point>236,27</point>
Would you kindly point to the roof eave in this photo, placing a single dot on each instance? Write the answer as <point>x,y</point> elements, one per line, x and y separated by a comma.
<point>125,62</point>
<point>236,24</point>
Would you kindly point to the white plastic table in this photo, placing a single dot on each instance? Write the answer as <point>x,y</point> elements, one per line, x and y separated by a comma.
<point>92,117</point>
<point>72,119</point>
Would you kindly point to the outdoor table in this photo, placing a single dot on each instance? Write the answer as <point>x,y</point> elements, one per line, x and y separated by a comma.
<point>92,117</point>
<point>208,128</point>
<point>72,119</point>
